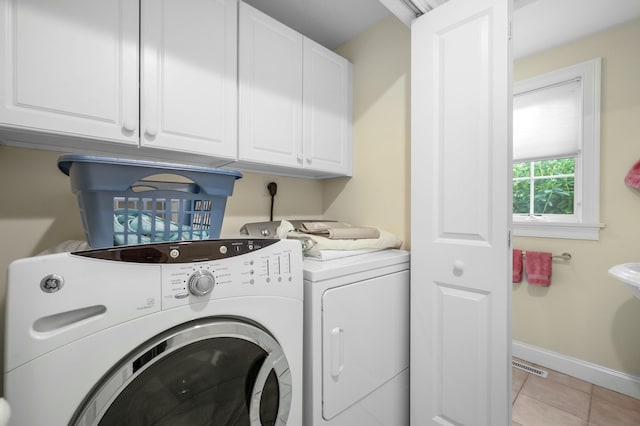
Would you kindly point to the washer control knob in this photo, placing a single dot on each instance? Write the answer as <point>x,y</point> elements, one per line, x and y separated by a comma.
<point>201,283</point>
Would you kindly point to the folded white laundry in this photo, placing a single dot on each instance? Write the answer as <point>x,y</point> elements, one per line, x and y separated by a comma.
<point>67,246</point>
<point>338,230</point>
<point>312,245</point>
<point>323,255</point>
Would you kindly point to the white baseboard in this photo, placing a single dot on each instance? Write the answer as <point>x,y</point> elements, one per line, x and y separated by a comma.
<point>593,373</point>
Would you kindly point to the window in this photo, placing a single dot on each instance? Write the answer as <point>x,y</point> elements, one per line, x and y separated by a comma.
<point>556,144</point>
<point>545,188</point>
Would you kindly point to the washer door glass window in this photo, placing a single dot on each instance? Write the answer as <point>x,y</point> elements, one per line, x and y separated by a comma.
<point>216,373</point>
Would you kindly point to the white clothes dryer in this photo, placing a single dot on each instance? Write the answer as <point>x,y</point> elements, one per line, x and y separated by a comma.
<point>203,332</point>
<point>356,340</point>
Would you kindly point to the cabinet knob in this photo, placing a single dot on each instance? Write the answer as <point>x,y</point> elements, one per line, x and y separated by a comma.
<point>130,126</point>
<point>151,131</point>
<point>299,158</point>
<point>309,160</point>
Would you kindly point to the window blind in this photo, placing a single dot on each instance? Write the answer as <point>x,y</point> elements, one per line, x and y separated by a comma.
<point>547,122</point>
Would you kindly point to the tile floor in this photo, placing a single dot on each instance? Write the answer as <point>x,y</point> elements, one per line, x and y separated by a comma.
<point>561,400</point>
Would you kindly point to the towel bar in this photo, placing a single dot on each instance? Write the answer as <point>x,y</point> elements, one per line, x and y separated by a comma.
<point>564,256</point>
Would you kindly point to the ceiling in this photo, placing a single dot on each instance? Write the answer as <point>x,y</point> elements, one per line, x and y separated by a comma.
<point>333,22</point>
<point>541,24</point>
<point>328,22</point>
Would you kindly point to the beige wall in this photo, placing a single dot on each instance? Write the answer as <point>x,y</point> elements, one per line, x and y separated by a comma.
<point>585,313</point>
<point>39,211</point>
<point>378,193</point>
<point>296,199</point>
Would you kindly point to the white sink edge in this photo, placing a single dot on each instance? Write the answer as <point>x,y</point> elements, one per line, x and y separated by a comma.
<point>626,275</point>
<point>630,277</point>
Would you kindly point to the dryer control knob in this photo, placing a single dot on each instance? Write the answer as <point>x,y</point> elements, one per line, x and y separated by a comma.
<point>201,283</point>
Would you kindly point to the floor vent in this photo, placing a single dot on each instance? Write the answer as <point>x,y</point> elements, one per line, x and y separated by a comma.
<point>529,369</point>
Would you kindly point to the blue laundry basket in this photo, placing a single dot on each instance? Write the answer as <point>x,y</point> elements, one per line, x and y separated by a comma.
<point>124,201</point>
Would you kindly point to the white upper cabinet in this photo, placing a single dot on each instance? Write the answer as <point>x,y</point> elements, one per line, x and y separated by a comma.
<point>326,111</point>
<point>158,79</point>
<point>295,101</point>
<point>188,76</point>
<point>270,61</point>
<point>71,72</point>
<point>70,67</point>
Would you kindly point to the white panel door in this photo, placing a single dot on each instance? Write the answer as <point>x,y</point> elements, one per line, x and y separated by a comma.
<point>461,215</point>
<point>326,110</point>
<point>270,79</point>
<point>189,83</point>
<point>70,67</point>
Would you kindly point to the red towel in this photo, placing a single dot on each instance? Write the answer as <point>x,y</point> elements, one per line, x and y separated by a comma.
<point>517,265</point>
<point>538,265</point>
<point>633,177</point>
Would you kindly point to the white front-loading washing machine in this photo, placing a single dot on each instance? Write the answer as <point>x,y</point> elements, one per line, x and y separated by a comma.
<point>356,340</point>
<point>189,333</point>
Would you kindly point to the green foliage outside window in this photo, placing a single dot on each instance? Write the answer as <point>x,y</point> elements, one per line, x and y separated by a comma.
<point>553,187</point>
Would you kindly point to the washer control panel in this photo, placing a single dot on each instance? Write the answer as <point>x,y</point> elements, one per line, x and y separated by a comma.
<point>274,269</point>
<point>180,251</point>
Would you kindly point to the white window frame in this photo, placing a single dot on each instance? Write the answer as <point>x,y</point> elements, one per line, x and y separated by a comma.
<point>584,223</point>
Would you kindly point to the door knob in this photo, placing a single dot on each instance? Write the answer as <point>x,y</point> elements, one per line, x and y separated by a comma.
<point>458,268</point>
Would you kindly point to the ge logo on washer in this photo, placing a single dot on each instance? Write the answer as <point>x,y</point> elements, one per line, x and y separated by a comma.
<point>51,283</point>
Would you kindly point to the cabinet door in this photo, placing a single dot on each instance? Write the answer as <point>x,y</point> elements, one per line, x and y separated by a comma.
<point>189,95</point>
<point>270,90</point>
<point>70,67</point>
<point>326,110</point>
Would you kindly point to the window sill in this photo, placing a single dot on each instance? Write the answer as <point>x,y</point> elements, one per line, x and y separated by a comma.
<point>576,231</point>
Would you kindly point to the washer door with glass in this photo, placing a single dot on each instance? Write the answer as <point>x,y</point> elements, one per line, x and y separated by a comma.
<point>207,372</point>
